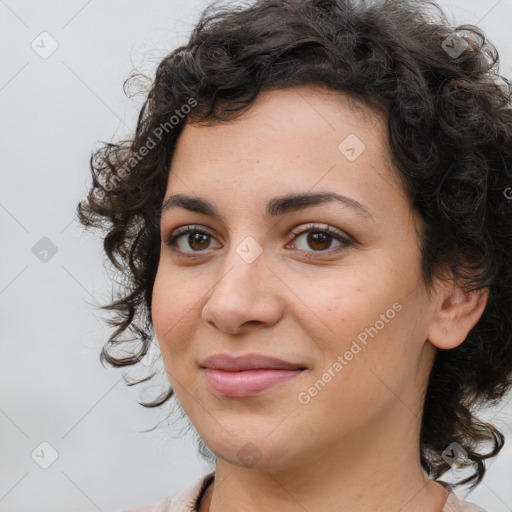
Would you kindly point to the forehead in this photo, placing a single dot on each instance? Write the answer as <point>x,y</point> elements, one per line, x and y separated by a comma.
<point>307,111</point>
<point>292,140</point>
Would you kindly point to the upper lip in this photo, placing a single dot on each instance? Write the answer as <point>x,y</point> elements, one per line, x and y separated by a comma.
<point>248,362</point>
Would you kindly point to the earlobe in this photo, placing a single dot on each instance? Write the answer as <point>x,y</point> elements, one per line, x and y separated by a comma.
<point>458,312</point>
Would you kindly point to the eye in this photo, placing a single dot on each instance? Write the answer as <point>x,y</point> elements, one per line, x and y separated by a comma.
<point>198,239</point>
<point>320,239</point>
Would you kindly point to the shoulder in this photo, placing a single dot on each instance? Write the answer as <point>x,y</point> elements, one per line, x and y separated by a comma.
<point>183,502</point>
<point>455,504</point>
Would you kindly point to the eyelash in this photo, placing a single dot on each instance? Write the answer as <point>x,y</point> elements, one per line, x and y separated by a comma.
<point>344,240</point>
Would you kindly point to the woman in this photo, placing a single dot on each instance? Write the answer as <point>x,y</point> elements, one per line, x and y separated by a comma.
<point>313,219</point>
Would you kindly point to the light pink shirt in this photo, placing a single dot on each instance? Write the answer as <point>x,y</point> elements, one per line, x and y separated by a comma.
<point>186,499</point>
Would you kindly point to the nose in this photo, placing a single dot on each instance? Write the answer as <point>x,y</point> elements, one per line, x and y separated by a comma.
<point>246,295</point>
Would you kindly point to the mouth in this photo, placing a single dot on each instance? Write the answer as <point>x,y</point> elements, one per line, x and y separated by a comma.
<point>246,376</point>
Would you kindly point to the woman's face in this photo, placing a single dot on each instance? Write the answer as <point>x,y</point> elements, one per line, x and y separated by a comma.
<point>268,279</point>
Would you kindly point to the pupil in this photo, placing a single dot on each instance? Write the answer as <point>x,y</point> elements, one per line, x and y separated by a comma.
<point>197,238</point>
<point>317,237</point>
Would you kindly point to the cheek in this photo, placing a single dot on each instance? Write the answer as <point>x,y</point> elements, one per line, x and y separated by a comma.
<point>171,325</point>
<point>363,370</point>
<point>379,349</point>
<point>160,310</point>
<point>350,305</point>
<point>369,320</point>
<point>172,311</point>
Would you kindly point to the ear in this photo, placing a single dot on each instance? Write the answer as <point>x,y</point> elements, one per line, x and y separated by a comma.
<point>455,314</point>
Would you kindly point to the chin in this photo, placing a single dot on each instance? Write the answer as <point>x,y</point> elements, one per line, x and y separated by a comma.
<point>258,452</point>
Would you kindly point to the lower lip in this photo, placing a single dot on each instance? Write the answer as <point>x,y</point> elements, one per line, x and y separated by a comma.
<point>248,382</point>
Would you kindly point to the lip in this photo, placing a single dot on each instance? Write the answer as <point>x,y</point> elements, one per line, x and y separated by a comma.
<point>248,375</point>
<point>230,363</point>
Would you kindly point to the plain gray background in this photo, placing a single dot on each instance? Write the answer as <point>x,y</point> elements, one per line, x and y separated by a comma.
<point>54,110</point>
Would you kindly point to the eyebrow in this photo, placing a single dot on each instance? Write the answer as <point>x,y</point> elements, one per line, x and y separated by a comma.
<point>275,207</point>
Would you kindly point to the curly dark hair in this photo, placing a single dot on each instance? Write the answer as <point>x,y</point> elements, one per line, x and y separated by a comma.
<point>449,119</point>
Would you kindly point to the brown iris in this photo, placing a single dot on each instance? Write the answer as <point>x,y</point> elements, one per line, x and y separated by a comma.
<point>316,238</point>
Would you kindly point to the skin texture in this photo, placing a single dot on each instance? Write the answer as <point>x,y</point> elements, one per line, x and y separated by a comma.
<point>354,445</point>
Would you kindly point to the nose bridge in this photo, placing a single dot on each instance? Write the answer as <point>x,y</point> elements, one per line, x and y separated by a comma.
<point>241,293</point>
<point>245,258</point>
<point>241,272</point>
